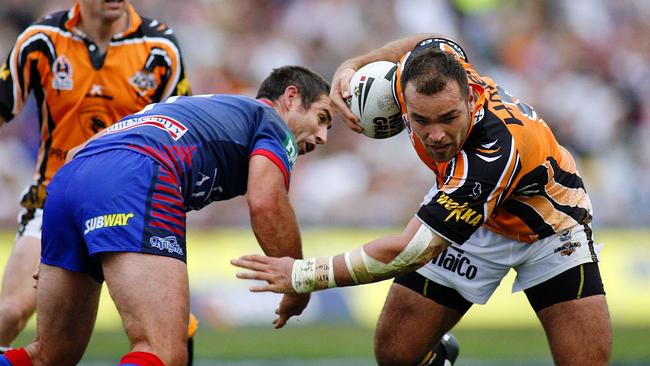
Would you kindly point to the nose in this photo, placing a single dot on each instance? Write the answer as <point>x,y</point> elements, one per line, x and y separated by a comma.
<point>435,133</point>
<point>321,136</point>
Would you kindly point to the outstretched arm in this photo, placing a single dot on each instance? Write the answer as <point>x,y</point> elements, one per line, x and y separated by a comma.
<point>274,224</point>
<point>391,51</point>
<point>375,261</point>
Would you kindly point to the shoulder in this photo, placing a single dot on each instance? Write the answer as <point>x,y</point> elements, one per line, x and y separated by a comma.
<point>47,26</point>
<point>157,30</point>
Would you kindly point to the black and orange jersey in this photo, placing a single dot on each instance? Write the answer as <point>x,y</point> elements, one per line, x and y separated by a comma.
<point>79,90</point>
<point>510,174</point>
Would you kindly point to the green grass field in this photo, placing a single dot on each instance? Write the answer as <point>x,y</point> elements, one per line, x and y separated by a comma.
<point>503,332</point>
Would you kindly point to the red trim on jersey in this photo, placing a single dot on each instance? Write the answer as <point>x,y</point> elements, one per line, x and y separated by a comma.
<point>167,227</point>
<point>141,359</point>
<point>18,357</point>
<point>266,101</point>
<point>167,209</point>
<point>276,160</point>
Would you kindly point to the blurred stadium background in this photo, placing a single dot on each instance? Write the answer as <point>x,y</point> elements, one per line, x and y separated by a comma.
<point>584,65</point>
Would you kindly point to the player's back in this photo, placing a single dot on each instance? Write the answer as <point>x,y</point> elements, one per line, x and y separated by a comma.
<point>205,141</point>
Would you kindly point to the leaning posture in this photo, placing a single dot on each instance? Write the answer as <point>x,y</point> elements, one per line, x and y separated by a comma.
<point>116,212</point>
<point>506,195</point>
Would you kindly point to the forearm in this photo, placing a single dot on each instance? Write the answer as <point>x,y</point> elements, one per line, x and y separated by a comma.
<point>378,260</point>
<point>391,51</point>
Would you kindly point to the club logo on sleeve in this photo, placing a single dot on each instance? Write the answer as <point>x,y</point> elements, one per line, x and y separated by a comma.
<point>174,128</point>
<point>459,212</point>
<point>109,220</point>
<point>168,243</point>
<point>291,148</point>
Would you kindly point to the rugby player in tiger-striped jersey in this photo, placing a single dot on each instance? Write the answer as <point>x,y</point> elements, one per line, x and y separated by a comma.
<point>87,67</point>
<point>507,195</point>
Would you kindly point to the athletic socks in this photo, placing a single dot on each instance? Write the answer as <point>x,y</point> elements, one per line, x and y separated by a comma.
<point>139,359</point>
<point>15,357</point>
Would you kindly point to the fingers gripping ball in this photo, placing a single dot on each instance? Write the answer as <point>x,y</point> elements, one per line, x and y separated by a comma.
<point>372,100</point>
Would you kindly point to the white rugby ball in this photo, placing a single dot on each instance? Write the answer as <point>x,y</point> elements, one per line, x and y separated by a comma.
<point>372,100</point>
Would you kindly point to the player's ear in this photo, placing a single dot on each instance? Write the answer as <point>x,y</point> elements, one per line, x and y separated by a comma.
<point>291,96</point>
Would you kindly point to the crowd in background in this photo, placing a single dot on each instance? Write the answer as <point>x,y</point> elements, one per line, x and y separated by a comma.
<point>583,64</point>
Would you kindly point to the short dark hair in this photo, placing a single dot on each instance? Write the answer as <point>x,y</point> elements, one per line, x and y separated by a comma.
<point>309,83</point>
<point>430,70</point>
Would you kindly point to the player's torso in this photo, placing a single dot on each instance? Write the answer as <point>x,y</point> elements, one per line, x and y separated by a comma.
<point>82,99</point>
<point>541,191</point>
<point>205,140</point>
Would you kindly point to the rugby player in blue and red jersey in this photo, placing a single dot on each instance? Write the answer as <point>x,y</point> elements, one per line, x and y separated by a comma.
<point>116,212</point>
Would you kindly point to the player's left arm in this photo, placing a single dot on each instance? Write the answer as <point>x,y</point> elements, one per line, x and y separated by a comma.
<point>378,260</point>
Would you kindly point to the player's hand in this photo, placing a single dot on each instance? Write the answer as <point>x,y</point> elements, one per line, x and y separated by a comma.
<point>340,93</point>
<point>275,271</point>
<point>290,305</point>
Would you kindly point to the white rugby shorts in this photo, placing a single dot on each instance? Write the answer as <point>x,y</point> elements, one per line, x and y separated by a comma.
<point>476,268</point>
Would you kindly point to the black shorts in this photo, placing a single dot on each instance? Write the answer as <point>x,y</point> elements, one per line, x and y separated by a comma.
<point>580,281</point>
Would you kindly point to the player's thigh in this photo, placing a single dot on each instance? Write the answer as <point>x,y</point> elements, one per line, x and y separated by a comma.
<point>151,293</point>
<point>17,282</point>
<point>579,331</point>
<point>573,310</point>
<point>410,324</point>
<point>66,309</point>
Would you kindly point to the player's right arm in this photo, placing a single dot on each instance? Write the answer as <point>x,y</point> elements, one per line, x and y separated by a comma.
<point>274,224</point>
<point>391,51</point>
<point>378,260</point>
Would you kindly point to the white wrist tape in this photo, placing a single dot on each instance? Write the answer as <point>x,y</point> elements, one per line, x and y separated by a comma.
<point>303,275</point>
<point>331,281</point>
<point>312,274</point>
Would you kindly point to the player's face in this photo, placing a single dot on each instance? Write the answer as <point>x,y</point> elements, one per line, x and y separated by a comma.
<point>440,120</point>
<point>107,10</point>
<point>309,125</point>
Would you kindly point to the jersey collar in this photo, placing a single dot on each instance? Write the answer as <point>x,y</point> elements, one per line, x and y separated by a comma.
<point>74,16</point>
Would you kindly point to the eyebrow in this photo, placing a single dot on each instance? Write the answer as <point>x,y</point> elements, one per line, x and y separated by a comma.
<point>442,116</point>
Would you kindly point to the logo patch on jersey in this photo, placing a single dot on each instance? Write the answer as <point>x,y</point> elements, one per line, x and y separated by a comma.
<point>567,248</point>
<point>476,191</point>
<point>459,212</point>
<point>143,81</point>
<point>4,72</point>
<point>168,243</point>
<point>291,148</point>
<point>109,220</point>
<point>174,128</point>
<point>62,74</point>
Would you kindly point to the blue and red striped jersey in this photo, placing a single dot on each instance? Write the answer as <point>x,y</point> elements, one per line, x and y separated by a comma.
<point>205,141</point>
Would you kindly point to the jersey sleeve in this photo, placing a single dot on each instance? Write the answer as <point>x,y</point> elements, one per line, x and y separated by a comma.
<point>279,146</point>
<point>166,60</point>
<point>19,74</point>
<point>477,180</point>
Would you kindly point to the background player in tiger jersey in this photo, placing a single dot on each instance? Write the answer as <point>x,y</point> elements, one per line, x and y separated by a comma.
<point>507,195</point>
<point>87,67</point>
<point>117,211</point>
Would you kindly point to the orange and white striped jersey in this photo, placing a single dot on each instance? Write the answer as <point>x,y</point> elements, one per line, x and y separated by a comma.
<point>80,91</point>
<point>510,174</point>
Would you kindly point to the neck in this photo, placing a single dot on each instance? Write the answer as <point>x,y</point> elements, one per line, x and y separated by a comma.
<point>278,108</point>
<point>101,30</point>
